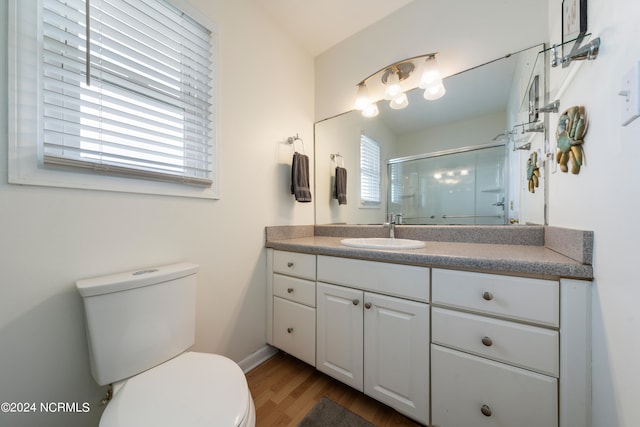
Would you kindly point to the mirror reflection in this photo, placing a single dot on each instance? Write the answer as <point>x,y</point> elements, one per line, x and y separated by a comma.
<point>470,131</point>
<point>454,187</point>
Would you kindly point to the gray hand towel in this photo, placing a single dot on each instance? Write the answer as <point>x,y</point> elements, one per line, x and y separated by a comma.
<point>300,178</point>
<point>340,191</point>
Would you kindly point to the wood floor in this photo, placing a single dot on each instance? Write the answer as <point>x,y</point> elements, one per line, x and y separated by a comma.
<point>284,389</point>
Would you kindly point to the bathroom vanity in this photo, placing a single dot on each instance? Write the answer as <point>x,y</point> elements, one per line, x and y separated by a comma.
<point>455,334</point>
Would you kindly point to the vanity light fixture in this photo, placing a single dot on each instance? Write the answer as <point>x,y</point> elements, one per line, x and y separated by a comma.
<point>396,79</point>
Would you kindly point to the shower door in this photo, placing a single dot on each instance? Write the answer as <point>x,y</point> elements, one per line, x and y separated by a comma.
<point>462,187</point>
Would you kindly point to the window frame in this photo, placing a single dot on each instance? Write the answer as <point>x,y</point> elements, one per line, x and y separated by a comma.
<point>25,150</point>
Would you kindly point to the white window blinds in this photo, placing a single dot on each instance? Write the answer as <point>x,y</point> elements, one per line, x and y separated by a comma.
<point>141,106</point>
<point>395,186</point>
<point>369,171</point>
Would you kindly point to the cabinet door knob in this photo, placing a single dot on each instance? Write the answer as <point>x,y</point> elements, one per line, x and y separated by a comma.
<point>356,301</point>
<point>367,305</point>
<point>487,341</point>
<point>289,264</point>
<point>487,295</point>
<point>289,330</point>
<point>486,411</point>
<point>290,290</point>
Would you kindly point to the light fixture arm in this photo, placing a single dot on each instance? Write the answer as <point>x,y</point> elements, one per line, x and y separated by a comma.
<point>398,65</point>
<point>392,77</point>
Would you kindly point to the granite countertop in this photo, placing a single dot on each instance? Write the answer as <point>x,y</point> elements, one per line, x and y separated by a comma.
<point>521,259</point>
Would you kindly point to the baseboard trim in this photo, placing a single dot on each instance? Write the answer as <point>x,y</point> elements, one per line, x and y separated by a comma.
<point>258,357</point>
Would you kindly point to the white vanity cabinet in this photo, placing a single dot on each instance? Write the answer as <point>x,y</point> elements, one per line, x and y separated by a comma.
<point>371,340</point>
<point>479,349</point>
<point>292,326</point>
<point>506,352</point>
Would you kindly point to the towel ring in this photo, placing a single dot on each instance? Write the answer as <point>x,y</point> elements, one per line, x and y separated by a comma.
<point>292,140</point>
<point>335,156</point>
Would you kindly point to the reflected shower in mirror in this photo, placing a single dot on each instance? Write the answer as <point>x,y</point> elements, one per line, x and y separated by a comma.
<point>480,109</point>
<point>464,186</point>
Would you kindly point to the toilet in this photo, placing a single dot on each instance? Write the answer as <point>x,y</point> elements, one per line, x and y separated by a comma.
<point>139,327</point>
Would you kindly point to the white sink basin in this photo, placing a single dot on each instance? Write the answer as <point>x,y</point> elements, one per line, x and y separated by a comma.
<point>382,243</point>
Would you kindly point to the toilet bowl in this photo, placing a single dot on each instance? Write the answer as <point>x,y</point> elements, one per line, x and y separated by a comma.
<point>192,389</point>
<point>140,325</point>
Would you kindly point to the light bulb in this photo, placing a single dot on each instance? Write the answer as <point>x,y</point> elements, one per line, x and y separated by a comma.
<point>370,110</point>
<point>434,92</point>
<point>429,75</point>
<point>431,81</point>
<point>393,89</point>
<point>362,97</point>
<point>399,102</point>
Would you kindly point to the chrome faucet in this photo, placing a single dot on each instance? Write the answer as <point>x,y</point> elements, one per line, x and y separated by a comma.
<point>392,220</point>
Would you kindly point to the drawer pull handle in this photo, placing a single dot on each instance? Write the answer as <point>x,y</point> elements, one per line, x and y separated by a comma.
<point>487,341</point>
<point>289,264</point>
<point>289,330</point>
<point>290,290</point>
<point>356,301</point>
<point>487,295</point>
<point>367,305</point>
<point>486,411</point>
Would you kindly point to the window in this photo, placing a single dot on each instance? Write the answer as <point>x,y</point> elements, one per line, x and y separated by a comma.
<point>369,172</point>
<point>125,89</point>
<point>395,184</point>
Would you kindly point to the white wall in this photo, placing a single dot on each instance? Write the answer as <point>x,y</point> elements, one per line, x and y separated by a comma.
<point>51,237</point>
<point>478,130</point>
<point>605,198</point>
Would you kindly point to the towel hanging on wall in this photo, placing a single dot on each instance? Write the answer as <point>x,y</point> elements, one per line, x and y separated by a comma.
<point>300,178</point>
<point>340,190</point>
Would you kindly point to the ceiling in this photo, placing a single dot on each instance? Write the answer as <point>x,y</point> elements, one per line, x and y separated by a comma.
<point>321,24</point>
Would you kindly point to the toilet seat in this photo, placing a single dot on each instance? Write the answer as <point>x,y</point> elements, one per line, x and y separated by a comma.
<point>190,390</point>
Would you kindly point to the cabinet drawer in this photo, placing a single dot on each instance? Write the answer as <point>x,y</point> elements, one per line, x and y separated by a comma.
<point>294,289</point>
<point>295,264</point>
<point>404,281</point>
<point>531,300</point>
<point>472,391</point>
<point>294,329</point>
<point>521,345</point>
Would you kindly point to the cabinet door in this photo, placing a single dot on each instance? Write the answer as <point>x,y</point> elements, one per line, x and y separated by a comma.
<point>396,354</point>
<point>472,391</point>
<point>339,333</point>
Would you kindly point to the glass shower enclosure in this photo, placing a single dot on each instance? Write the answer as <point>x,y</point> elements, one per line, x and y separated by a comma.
<point>462,186</point>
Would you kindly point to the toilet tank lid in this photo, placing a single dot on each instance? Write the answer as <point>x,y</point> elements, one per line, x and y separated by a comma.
<point>134,279</point>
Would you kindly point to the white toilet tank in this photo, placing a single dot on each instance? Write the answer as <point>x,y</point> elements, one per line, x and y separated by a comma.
<point>139,319</point>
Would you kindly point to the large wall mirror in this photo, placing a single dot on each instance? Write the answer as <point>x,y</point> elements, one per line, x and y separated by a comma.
<point>458,160</point>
